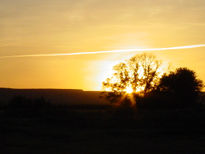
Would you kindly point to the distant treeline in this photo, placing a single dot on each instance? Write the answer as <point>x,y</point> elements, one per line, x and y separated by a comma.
<point>56,96</point>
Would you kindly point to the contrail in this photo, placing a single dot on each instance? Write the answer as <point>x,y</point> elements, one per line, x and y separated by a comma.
<point>103,52</point>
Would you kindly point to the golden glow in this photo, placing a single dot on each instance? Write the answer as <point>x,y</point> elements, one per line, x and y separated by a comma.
<point>129,90</point>
<point>48,27</point>
<point>104,52</point>
<point>108,73</point>
<point>132,99</point>
<point>105,71</point>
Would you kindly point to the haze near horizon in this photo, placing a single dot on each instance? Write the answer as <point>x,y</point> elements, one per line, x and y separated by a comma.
<point>46,27</point>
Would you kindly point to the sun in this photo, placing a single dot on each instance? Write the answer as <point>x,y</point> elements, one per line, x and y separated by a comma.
<point>129,90</point>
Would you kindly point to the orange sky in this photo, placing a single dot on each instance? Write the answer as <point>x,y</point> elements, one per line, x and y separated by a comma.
<point>59,26</point>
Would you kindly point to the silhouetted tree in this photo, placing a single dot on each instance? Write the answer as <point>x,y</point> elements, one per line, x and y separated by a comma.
<point>181,86</point>
<point>139,73</point>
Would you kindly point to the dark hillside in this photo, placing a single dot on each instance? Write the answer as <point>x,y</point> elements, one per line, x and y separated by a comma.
<point>60,96</point>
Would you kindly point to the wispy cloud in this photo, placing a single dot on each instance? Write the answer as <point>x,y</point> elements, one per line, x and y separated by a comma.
<point>104,52</point>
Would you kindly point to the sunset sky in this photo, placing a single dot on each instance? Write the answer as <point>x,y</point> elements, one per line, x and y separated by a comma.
<point>67,26</point>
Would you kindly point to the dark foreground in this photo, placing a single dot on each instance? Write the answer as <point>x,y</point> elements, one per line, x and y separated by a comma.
<point>101,130</point>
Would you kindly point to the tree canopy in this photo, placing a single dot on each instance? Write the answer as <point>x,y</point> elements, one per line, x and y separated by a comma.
<point>181,84</point>
<point>141,77</point>
<point>138,74</point>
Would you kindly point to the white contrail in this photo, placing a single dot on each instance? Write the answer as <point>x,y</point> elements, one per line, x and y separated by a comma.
<point>101,52</point>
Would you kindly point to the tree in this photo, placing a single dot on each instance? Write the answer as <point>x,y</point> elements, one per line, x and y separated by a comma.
<point>139,74</point>
<point>182,85</point>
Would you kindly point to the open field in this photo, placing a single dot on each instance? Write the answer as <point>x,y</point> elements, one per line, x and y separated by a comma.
<point>87,129</point>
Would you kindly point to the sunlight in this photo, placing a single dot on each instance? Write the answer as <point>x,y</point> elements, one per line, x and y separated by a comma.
<point>129,90</point>
<point>105,71</point>
<point>113,76</point>
<point>139,89</point>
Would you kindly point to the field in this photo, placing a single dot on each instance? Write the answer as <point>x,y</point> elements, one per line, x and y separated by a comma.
<point>100,128</point>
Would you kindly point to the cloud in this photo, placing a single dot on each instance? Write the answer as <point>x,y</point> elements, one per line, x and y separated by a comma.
<point>104,52</point>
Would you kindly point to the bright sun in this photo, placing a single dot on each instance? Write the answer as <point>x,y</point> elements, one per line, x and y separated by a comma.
<point>107,72</point>
<point>129,90</point>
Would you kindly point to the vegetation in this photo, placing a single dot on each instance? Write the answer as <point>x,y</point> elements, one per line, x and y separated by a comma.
<point>35,125</point>
<point>182,85</point>
<point>141,73</point>
<point>178,89</point>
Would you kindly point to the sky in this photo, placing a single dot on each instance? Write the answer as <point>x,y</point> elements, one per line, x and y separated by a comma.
<point>69,26</point>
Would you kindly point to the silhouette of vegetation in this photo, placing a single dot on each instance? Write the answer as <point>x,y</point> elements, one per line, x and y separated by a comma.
<point>139,74</point>
<point>177,89</point>
<point>181,86</point>
<point>31,123</point>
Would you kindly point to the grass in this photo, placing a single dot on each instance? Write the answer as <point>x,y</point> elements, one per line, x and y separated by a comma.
<point>98,129</point>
